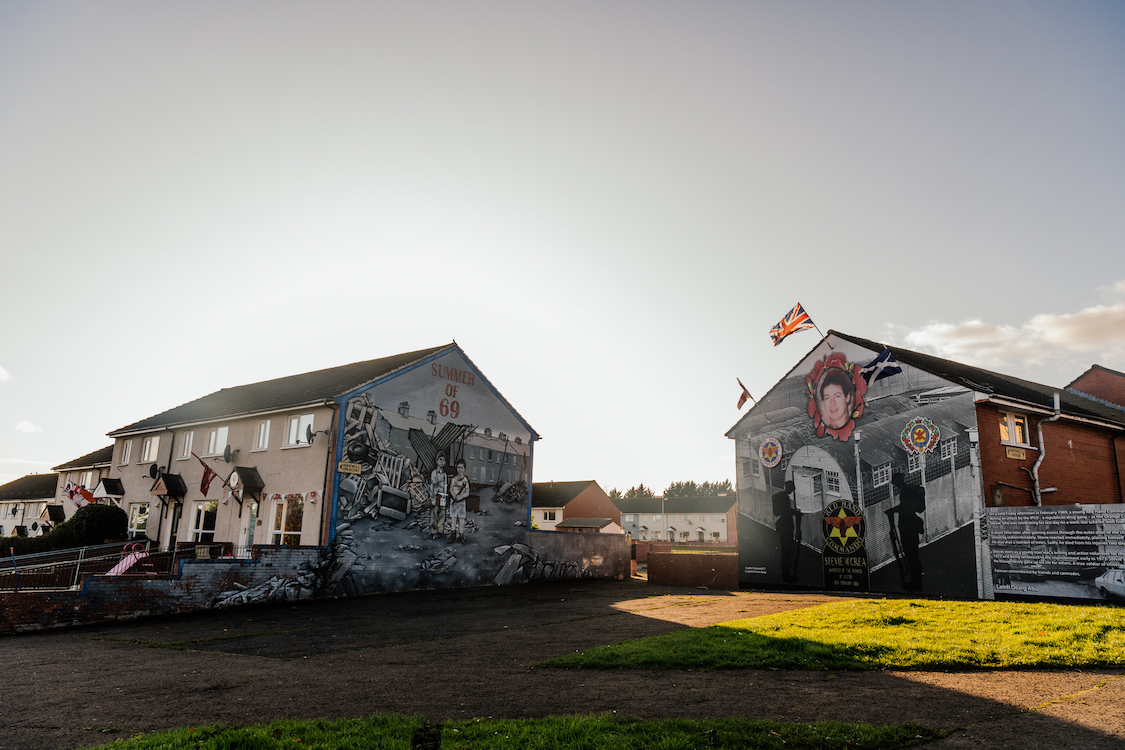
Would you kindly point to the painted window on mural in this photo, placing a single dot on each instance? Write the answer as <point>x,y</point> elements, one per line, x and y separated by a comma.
<point>203,521</point>
<point>1013,428</point>
<point>881,475</point>
<point>948,449</point>
<point>288,516</point>
<point>138,519</point>
<point>832,482</point>
<point>914,462</point>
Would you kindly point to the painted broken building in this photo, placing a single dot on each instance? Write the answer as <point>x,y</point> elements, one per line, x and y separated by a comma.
<point>874,468</point>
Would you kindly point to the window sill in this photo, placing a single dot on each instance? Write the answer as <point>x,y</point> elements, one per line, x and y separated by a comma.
<point>298,445</point>
<point>1025,446</point>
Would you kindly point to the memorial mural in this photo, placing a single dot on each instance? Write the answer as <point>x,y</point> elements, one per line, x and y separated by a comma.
<point>856,474</point>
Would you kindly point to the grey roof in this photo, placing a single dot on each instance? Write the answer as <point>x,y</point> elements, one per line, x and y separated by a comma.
<point>995,383</point>
<point>676,504</point>
<point>584,523</point>
<point>100,457</point>
<point>281,393</point>
<point>31,487</point>
<point>556,494</point>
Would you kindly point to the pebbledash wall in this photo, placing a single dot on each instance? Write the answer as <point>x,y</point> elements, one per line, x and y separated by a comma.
<point>288,574</point>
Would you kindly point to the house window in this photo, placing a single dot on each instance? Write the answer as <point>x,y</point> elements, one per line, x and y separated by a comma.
<point>185,444</point>
<point>656,517</point>
<point>149,446</point>
<point>684,535</point>
<point>881,475</point>
<point>948,449</point>
<point>715,536</point>
<point>627,518</point>
<point>717,518</point>
<point>262,435</point>
<point>548,515</point>
<point>1013,428</point>
<point>138,519</point>
<point>126,449</point>
<point>216,441</point>
<point>914,462</point>
<point>832,482</point>
<point>86,479</point>
<point>203,521</point>
<point>299,425</point>
<point>288,515</point>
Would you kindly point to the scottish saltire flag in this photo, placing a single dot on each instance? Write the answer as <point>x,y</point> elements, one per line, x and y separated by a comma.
<point>881,367</point>
<point>745,394</point>
<point>796,320</point>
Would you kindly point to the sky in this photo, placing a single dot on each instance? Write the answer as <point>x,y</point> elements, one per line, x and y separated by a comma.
<point>607,205</point>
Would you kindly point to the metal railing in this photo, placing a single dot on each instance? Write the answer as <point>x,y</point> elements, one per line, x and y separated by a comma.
<point>66,569</point>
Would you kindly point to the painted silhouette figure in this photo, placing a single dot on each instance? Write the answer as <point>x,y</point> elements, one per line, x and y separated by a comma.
<point>905,535</point>
<point>788,523</point>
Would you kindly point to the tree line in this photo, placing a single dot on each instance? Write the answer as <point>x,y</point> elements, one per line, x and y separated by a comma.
<point>676,489</point>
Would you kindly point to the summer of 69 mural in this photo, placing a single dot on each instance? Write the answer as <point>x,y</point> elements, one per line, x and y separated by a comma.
<point>858,477</point>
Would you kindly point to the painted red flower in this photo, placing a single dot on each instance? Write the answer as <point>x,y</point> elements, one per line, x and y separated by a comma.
<point>834,369</point>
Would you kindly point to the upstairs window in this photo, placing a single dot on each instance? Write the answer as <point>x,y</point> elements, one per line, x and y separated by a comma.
<point>914,462</point>
<point>298,427</point>
<point>185,444</point>
<point>126,449</point>
<point>149,447</point>
<point>832,482</point>
<point>216,441</point>
<point>262,435</point>
<point>881,474</point>
<point>1013,428</point>
<point>548,515</point>
<point>948,449</point>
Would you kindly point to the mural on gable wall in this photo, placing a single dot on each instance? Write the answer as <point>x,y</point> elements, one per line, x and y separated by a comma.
<point>832,496</point>
<point>432,489</point>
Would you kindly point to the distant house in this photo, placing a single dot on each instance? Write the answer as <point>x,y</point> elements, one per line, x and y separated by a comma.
<point>680,519</point>
<point>590,526</point>
<point>554,502</point>
<point>23,504</point>
<point>1101,384</point>
<point>87,472</point>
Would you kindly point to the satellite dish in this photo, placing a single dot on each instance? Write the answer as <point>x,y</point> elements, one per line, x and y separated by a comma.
<point>308,434</point>
<point>228,454</point>
<point>153,472</point>
<point>34,525</point>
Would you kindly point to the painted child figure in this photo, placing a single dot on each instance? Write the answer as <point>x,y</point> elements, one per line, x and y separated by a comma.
<point>458,491</point>
<point>439,498</point>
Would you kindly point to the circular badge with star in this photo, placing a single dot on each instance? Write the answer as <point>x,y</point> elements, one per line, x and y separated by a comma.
<point>844,527</point>
<point>920,435</point>
<point>769,452</point>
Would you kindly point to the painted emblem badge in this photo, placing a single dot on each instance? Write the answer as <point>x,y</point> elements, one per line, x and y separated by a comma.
<point>844,527</point>
<point>920,435</point>
<point>769,452</point>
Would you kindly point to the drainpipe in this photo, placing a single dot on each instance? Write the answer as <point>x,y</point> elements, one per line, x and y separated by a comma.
<point>1042,453</point>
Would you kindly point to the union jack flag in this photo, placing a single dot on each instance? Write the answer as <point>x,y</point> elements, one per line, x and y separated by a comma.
<point>796,320</point>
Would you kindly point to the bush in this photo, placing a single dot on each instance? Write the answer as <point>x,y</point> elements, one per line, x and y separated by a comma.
<point>90,525</point>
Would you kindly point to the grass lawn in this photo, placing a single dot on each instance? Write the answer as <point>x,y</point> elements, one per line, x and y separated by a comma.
<point>884,634</point>
<point>556,733</point>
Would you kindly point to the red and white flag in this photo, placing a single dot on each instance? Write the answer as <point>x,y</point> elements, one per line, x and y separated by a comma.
<point>745,394</point>
<point>796,320</point>
<point>208,476</point>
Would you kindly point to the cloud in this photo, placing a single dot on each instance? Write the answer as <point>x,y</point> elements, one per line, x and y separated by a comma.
<point>4,374</point>
<point>1058,345</point>
<point>26,426</point>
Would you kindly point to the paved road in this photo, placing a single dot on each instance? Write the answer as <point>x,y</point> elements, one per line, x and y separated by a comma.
<point>465,653</point>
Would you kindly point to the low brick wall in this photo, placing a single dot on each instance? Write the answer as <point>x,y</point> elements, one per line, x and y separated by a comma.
<point>714,570</point>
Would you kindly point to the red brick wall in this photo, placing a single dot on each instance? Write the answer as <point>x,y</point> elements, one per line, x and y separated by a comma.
<point>713,570</point>
<point>1081,460</point>
<point>1103,384</point>
<point>592,502</point>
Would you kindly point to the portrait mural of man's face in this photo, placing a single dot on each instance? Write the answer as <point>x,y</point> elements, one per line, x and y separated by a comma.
<point>836,390</point>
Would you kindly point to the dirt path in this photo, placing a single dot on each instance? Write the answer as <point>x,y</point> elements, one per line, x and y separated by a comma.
<point>465,653</point>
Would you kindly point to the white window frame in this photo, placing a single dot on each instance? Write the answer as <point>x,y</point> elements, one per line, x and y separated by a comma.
<point>215,436</point>
<point>628,518</point>
<point>185,444</point>
<point>1009,420</point>
<point>138,526</point>
<point>278,521</point>
<point>295,434</point>
<point>914,463</point>
<point>881,474</point>
<point>86,479</point>
<point>150,448</point>
<point>548,515</point>
<point>948,449</point>
<point>126,450</point>
<point>261,435</point>
<point>199,520</point>
<point>832,481</point>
